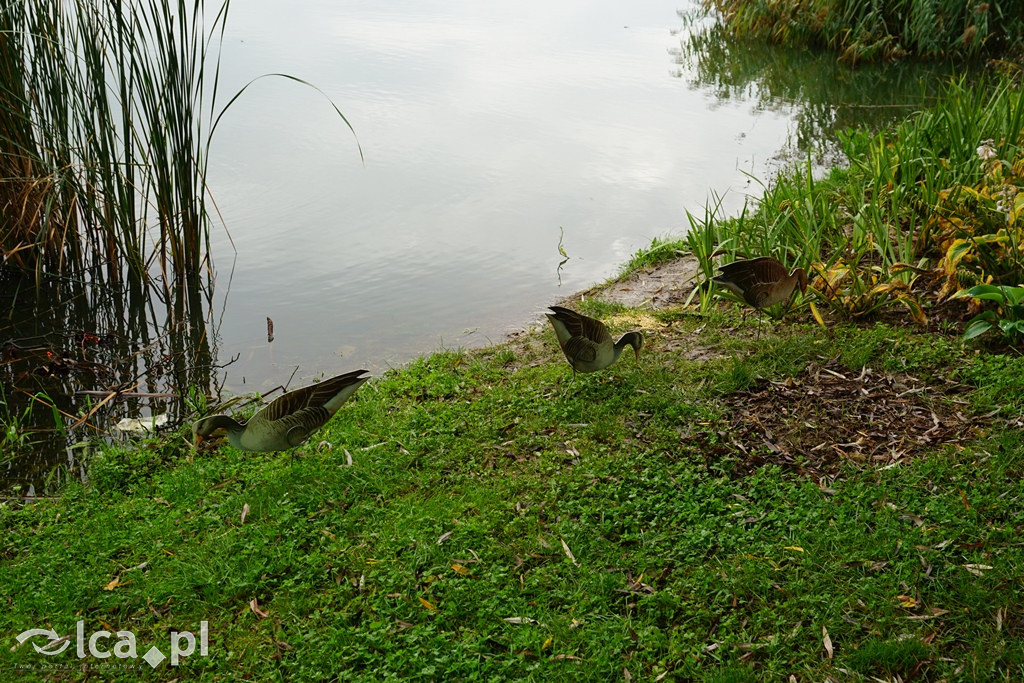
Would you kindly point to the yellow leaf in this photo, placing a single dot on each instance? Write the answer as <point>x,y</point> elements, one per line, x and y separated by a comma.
<point>459,569</point>
<point>794,547</point>
<point>547,643</point>
<point>113,584</point>
<point>816,314</point>
<point>906,601</point>
<point>429,605</point>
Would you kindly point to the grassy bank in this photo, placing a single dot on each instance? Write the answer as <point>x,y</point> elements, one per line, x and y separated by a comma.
<point>823,502</point>
<point>498,521</point>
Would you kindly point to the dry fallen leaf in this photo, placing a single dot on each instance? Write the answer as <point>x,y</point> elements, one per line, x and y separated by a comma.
<point>429,605</point>
<point>826,641</point>
<point>445,536</point>
<point>519,620</point>
<point>255,607</point>
<point>113,584</point>
<point>977,569</point>
<point>793,547</point>
<point>547,643</point>
<point>459,569</point>
<point>907,601</point>
<point>568,553</point>
<point>245,512</point>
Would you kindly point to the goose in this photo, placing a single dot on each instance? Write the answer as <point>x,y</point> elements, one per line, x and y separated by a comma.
<point>286,421</point>
<point>586,342</point>
<point>761,282</point>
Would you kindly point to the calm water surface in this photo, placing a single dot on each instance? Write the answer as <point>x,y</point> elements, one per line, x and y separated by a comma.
<point>487,130</point>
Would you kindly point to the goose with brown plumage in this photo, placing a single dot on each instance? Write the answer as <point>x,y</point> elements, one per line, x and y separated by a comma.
<point>288,420</point>
<point>761,282</point>
<point>586,342</point>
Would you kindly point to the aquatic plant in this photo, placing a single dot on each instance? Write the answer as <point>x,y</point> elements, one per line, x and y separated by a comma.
<point>105,112</point>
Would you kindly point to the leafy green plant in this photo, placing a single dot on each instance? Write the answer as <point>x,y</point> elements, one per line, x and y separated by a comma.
<point>1007,319</point>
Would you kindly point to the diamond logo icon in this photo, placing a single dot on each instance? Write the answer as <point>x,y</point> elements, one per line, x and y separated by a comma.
<point>153,657</point>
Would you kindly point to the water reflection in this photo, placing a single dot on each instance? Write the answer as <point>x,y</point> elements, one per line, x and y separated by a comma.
<point>81,354</point>
<point>822,95</point>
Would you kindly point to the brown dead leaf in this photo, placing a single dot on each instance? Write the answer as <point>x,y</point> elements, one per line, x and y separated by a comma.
<point>113,584</point>
<point>459,569</point>
<point>245,513</point>
<point>826,641</point>
<point>255,607</point>
<point>429,605</point>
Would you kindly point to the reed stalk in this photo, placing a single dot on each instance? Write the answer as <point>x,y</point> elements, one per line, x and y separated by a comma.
<point>104,109</point>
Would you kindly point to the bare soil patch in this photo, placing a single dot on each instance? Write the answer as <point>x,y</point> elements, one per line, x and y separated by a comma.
<point>654,288</point>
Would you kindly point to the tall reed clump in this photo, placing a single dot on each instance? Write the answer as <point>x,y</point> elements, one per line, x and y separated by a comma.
<point>104,115</point>
<point>867,30</point>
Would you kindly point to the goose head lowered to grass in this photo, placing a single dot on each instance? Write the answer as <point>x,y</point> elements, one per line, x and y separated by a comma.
<point>586,342</point>
<point>286,421</point>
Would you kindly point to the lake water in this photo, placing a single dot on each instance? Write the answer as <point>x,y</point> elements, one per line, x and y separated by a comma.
<point>491,135</point>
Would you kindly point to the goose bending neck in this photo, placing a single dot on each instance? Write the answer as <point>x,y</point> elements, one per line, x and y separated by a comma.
<point>231,426</point>
<point>629,339</point>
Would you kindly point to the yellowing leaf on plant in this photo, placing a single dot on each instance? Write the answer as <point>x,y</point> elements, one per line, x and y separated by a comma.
<point>459,569</point>
<point>429,605</point>
<point>817,314</point>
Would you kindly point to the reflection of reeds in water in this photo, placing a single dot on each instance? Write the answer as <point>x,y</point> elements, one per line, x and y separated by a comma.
<point>105,116</point>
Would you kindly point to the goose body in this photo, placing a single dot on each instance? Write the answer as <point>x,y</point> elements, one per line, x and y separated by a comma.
<point>586,342</point>
<point>286,421</point>
<point>761,282</point>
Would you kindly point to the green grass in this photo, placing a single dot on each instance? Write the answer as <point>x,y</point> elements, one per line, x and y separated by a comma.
<point>439,554</point>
